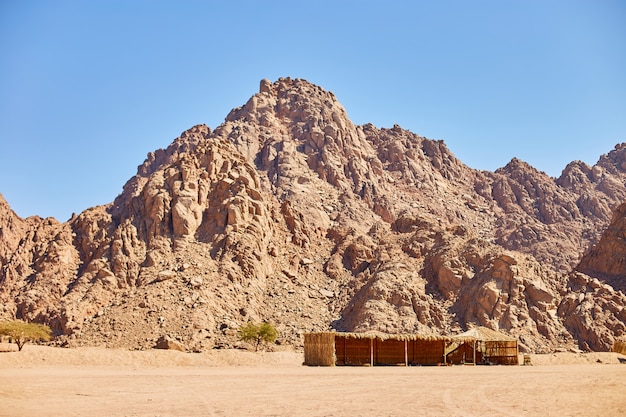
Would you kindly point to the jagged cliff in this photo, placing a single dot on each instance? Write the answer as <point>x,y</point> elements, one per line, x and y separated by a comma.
<point>289,212</point>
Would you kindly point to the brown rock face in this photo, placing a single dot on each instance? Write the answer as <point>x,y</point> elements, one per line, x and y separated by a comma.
<point>288,212</point>
<point>593,312</point>
<point>607,259</point>
<point>12,228</point>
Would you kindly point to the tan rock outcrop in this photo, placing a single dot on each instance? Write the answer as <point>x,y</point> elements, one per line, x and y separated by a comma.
<point>607,259</point>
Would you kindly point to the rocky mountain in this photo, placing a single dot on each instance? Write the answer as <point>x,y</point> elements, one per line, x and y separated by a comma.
<point>288,212</point>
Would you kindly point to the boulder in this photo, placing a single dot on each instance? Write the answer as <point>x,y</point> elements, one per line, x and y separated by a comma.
<point>166,342</point>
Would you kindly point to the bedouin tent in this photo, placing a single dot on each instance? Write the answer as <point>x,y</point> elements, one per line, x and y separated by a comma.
<point>491,347</point>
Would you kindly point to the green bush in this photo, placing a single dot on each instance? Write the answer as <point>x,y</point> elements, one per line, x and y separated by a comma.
<point>258,333</point>
<point>21,332</point>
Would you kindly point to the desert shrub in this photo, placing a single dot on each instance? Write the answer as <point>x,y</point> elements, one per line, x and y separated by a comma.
<point>258,334</point>
<point>21,332</point>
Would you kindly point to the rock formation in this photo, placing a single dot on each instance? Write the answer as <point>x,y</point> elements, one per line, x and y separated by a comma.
<point>607,259</point>
<point>288,212</point>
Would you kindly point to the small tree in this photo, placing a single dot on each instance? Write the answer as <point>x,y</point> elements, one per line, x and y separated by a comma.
<point>258,333</point>
<point>21,332</point>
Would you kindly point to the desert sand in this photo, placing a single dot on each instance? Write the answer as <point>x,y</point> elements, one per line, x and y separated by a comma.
<point>46,381</point>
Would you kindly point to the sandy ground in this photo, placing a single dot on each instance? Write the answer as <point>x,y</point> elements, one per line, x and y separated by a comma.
<point>96,382</point>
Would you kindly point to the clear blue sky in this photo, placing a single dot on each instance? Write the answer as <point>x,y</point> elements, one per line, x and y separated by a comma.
<point>88,88</point>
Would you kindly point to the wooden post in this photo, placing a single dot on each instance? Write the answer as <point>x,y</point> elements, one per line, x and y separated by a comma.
<point>474,352</point>
<point>372,352</point>
<point>406,353</point>
<point>444,351</point>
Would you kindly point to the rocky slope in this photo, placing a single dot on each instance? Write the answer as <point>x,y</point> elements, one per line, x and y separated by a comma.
<point>607,259</point>
<point>289,212</point>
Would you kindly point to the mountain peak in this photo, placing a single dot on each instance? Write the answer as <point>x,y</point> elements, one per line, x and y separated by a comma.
<point>289,212</point>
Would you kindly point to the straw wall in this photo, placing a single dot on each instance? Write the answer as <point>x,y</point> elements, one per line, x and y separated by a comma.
<point>500,352</point>
<point>353,351</point>
<point>389,352</point>
<point>380,349</point>
<point>319,349</point>
<point>426,352</point>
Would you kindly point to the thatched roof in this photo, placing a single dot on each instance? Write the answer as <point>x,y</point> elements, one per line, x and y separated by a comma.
<point>400,337</point>
<point>484,334</point>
